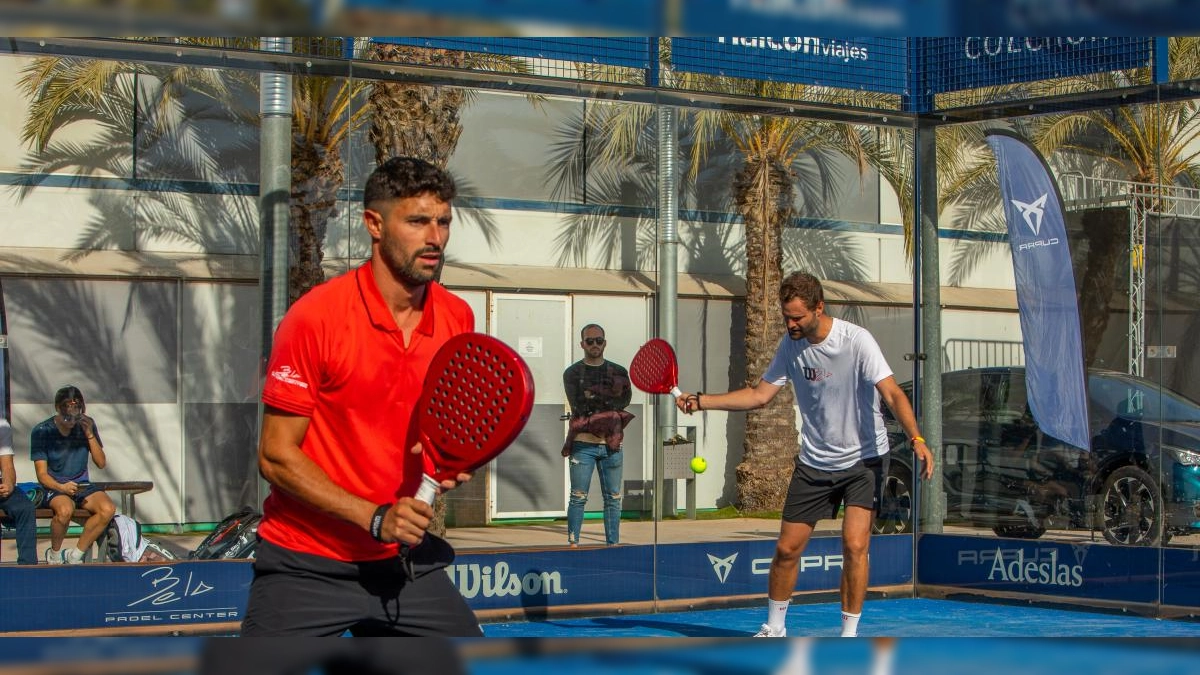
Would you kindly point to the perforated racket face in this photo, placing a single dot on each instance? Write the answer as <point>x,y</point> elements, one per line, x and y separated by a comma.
<point>477,398</point>
<point>654,368</point>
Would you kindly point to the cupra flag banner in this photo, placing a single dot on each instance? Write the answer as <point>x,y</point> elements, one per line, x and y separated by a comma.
<point>1046,298</point>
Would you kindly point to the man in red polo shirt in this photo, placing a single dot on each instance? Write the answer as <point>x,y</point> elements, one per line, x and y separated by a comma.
<point>337,443</point>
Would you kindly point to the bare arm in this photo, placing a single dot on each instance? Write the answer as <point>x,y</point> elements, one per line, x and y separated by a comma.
<point>747,398</point>
<point>95,447</point>
<point>897,402</point>
<point>285,466</point>
<point>8,476</point>
<point>42,469</point>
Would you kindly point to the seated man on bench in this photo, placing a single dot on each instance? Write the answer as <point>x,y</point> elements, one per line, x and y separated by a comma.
<point>61,448</point>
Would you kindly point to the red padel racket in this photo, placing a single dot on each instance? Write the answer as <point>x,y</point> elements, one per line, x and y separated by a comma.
<point>655,370</point>
<point>477,398</point>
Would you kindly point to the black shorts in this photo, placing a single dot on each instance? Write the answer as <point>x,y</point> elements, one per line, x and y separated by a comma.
<point>815,495</point>
<point>298,594</point>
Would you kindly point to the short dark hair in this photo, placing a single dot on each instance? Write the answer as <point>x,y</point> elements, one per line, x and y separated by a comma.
<point>69,393</point>
<point>804,286</point>
<point>590,325</point>
<point>403,177</point>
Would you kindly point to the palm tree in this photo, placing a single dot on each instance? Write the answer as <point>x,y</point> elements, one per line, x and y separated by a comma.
<point>767,194</point>
<point>326,111</point>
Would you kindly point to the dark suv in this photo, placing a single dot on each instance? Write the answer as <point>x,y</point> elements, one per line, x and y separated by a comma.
<point>1139,485</point>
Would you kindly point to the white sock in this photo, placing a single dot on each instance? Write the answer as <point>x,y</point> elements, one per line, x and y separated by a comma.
<point>797,661</point>
<point>777,614</point>
<point>882,657</point>
<point>850,624</point>
<point>73,554</point>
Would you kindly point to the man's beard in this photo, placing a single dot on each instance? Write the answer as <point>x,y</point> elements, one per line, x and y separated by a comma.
<point>410,270</point>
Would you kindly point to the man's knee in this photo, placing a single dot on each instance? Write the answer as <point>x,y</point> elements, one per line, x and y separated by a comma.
<point>106,510</point>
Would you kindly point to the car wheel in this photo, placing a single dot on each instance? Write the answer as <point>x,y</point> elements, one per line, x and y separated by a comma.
<point>1132,508</point>
<point>1019,531</point>
<point>895,504</point>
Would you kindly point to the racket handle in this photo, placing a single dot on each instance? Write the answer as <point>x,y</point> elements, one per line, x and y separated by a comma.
<point>676,392</point>
<point>428,490</point>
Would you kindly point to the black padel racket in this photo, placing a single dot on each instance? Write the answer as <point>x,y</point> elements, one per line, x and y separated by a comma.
<point>477,398</point>
<point>655,370</point>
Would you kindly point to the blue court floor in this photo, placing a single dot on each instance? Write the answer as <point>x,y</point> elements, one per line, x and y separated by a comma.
<point>911,656</point>
<point>902,617</point>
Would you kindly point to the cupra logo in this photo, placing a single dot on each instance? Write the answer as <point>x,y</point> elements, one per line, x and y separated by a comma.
<point>722,566</point>
<point>1032,212</point>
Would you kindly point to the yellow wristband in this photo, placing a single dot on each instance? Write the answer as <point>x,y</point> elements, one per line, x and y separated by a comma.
<point>917,438</point>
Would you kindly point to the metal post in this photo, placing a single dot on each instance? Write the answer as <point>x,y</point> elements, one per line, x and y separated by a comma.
<point>668,244</point>
<point>275,185</point>
<point>929,404</point>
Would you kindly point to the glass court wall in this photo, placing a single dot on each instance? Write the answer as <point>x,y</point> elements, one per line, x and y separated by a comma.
<point>133,268</point>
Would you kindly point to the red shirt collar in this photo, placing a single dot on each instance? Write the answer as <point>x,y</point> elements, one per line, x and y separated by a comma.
<point>380,314</point>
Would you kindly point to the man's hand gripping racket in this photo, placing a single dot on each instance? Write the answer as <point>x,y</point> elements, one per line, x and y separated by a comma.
<point>477,397</point>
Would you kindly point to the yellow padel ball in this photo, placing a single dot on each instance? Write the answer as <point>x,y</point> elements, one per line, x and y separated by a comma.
<point>698,464</point>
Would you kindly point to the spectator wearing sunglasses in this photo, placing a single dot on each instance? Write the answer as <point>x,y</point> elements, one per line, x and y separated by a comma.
<point>598,392</point>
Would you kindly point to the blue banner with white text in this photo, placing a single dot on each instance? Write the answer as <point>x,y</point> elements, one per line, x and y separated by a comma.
<point>957,63</point>
<point>1045,284</point>
<point>1075,570</point>
<point>862,63</point>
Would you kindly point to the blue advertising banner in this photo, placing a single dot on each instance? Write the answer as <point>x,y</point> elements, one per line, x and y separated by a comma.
<point>1181,577</point>
<point>957,63</point>
<point>725,568</point>
<point>1046,299</point>
<point>630,52</point>
<point>864,63</point>
<point>1093,571</point>
<point>521,579</point>
<point>119,596</point>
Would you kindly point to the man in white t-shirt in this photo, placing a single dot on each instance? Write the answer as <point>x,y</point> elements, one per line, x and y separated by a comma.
<point>17,508</point>
<point>839,376</point>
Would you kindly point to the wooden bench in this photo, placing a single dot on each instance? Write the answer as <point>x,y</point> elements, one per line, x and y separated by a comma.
<point>79,517</point>
<point>125,489</point>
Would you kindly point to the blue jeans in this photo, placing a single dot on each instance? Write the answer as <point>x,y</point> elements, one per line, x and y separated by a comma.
<point>20,514</point>
<point>586,457</point>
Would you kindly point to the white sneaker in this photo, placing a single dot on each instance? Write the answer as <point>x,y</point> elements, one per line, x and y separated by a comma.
<point>767,631</point>
<point>54,557</point>
<point>73,556</point>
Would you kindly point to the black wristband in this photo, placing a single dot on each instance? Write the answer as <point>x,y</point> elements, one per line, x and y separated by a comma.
<point>377,521</point>
<point>698,395</point>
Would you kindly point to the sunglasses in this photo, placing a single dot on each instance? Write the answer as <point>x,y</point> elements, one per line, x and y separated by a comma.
<point>593,341</point>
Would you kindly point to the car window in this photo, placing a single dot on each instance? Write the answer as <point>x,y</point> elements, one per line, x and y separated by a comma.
<point>961,396</point>
<point>1131,397</point>
<point>1002,397</point>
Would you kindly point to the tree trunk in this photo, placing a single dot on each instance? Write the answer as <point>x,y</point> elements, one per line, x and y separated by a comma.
<point>317,174</point>
<point>764,193</point>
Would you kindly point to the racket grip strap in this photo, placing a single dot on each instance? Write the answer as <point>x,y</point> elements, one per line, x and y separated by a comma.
<point>676,392</point>
<point>429,489</point>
